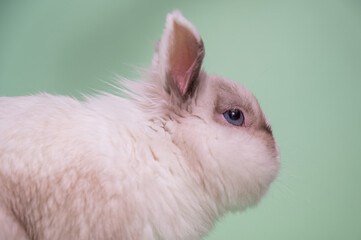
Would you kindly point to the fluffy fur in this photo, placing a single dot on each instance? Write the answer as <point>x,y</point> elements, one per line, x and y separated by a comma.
<point>162,163</point>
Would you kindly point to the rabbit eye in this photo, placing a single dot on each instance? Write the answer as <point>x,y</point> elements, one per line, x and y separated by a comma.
<point>234,117</point>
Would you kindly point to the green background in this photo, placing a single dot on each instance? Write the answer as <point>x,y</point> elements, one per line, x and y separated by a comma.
<point>302,59</point>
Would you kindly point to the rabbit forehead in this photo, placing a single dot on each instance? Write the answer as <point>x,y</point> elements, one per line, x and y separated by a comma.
<point>231,94</point>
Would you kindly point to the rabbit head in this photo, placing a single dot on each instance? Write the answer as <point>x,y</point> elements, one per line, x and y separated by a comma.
<point>217,124</point>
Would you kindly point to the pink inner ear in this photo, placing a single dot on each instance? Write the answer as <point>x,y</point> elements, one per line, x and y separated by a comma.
<point>184,50</point>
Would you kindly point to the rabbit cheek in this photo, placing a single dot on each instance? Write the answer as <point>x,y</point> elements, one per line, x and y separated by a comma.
<point>244,167</point>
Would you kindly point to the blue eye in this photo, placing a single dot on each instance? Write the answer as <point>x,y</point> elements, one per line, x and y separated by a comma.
<point>234,117</point>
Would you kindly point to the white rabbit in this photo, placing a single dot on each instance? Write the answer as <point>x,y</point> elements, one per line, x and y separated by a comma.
<point>166,162</point>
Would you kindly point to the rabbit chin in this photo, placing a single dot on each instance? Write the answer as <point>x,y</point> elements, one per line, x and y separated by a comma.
<point>234,166</point>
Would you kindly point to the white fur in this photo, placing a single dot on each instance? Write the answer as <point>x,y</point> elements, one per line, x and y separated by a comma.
<point>127,168</point>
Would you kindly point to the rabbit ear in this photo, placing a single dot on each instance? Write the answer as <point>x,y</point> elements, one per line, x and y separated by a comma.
<point>180,54</point>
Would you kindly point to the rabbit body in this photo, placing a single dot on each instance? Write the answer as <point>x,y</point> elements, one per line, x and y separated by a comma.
<point>160,164</point>
<point>93,171</point>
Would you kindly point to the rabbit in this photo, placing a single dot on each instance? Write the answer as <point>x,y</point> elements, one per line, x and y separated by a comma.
<point>164,159</point>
